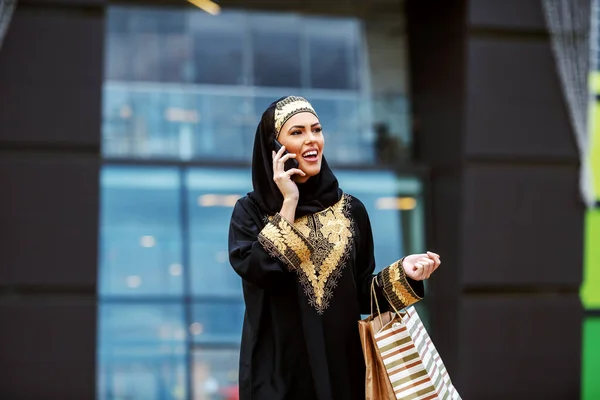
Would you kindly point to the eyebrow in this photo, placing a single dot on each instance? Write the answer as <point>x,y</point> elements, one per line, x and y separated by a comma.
<point>302,126</point>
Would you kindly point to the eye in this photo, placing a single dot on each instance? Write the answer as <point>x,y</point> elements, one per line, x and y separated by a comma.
<point>296,133</point>
<point>318,130</point>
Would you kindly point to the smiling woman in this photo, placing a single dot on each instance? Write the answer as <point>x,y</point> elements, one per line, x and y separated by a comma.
<point>304,250</point>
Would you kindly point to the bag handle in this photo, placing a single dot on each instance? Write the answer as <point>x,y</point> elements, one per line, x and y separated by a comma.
<point>374,295</point>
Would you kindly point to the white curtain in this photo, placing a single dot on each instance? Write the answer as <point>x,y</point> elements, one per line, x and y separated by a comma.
<point>6,11</point>
<point>574,36</point>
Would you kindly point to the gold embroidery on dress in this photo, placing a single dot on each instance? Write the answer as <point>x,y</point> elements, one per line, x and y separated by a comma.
<point>331,233</point>
<point>294,241</point>
<point>302,224</point>
<point>319,255</point>
<point>272,233</point>
<point>396,286</point>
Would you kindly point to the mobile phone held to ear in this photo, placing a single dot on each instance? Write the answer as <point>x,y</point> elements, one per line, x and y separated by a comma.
<point>290,163</point>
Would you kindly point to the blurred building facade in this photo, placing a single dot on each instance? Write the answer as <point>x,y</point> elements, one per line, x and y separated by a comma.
<point>132,126</point>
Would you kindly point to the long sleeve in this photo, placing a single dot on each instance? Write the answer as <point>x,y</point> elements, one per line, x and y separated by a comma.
<point>392,284</point>
<point>283,241</point>
<point>400,290</point>
<point>246,254</point>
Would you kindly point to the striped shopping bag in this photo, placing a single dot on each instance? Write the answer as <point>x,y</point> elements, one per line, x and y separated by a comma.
<point>413,365</point>
<point>401,360</point>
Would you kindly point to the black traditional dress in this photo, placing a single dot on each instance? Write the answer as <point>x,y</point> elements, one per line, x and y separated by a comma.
<point>306,283</point>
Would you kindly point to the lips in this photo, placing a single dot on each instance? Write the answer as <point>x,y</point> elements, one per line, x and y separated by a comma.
<point>311,155</point>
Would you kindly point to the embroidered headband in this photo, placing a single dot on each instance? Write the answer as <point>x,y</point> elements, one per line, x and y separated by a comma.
<point>288,107</point>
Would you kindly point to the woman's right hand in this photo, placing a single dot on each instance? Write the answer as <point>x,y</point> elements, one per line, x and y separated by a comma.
<point>282,178</point>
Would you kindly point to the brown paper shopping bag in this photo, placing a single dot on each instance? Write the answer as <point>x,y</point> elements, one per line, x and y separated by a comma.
<point>401,360</point>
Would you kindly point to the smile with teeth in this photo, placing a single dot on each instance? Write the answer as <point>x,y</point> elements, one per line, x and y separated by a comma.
<point>310,155</point>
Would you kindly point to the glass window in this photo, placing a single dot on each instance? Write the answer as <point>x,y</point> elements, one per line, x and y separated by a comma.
<point>276,46</point>
<point>140,232</point>
<point>239,62</point>
<point>332,53</point>
<point>215,373</point>
<point>218,321</point>
<point>142,352</point>
<point>226,128</point>
<point>219,46</point>
<point>212,193</point>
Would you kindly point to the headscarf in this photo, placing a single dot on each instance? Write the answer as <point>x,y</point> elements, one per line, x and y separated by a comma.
<point>318,193</point>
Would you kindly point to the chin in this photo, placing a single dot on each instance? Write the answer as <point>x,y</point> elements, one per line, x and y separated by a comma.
<point>310,172</point>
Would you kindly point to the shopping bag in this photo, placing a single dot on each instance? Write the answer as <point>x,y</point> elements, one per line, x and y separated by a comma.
<point>401,361</point>
<point>377,383</point>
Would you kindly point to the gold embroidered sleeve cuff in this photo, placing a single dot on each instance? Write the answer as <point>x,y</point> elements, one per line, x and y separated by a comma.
<point>400,290</point>
<point>283,241</point>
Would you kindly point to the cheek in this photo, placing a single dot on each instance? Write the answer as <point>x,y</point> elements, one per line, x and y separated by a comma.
<point>291,145</point>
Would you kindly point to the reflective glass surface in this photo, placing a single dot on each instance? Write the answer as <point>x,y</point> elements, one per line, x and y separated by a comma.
<point>142,352</point>
<point>185,85</point>
<point>140,232</point>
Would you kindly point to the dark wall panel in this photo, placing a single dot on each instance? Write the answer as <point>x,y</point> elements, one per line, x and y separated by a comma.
<point>49,220</point>
<point>437,79</point>
<point>445,285</point>
<point>520,347</point>
<point>491,122</point>
<point>507,14</point>
<point>515,106</point>
<point>523,225</point>
<point>51,78</point>
<point>45,347</point>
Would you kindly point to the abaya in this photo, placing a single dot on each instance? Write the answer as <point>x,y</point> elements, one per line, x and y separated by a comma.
<point>307,282</point>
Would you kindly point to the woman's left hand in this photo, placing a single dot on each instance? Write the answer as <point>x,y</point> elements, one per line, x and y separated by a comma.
<point>420,266</point>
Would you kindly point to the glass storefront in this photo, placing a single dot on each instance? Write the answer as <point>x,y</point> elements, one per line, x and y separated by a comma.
<point>183,93</point>
<point>186,85</point>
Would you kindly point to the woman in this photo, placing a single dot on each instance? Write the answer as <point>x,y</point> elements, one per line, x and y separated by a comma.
<point>304,250</point>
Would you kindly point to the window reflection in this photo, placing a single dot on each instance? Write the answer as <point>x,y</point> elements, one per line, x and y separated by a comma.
<point>331,51</point>
<point>218,49</point>
<point>218,321</point>
<point>140,231</point>
<point>233,66</point>
<point>275,51</point>
<point>142,351</point>
<point>212,193</point>
<point>215,372</point>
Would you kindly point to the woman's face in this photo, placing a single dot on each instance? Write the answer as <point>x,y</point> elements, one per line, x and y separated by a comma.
<point>302,135</point>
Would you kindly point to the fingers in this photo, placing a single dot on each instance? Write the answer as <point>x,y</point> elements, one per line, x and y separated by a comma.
<point>436,258</point>
<point>431,253</point>
<point>279,160</point>
<point>425,267</point>
<point>294,171</point>
<point>283,159</point>
<point>419,268</point>
<point>277,156</point>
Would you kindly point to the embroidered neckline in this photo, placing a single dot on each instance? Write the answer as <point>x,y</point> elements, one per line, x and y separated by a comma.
<point>316,246</point>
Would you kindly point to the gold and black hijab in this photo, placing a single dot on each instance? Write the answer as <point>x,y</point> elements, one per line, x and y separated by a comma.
<point>318,193</point>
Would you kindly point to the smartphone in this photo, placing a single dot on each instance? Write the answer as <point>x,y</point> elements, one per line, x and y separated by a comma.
<point>290,163</point>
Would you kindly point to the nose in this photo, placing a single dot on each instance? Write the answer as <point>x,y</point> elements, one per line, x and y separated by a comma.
<point>310,138</point>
